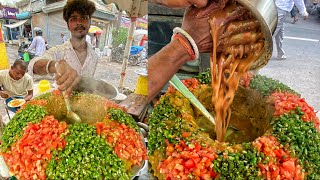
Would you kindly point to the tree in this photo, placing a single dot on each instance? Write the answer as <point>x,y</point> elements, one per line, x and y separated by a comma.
<point>120,36</point>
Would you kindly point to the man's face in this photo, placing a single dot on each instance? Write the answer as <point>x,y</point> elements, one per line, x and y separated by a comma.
<point>79,25</point>
<point>17,72</point>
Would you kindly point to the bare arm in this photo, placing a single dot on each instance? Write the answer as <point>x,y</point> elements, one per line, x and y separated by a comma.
<point>180,3</point>
<point>3,94</point>
<point>29,95</point>
<point>163,65</point>
<point>40,67</point>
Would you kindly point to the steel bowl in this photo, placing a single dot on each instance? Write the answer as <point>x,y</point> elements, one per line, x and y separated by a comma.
<point>266,13</point>
<point>97,87</point>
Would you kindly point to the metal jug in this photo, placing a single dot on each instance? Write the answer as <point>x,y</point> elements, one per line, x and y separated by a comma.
<point>266,13</point>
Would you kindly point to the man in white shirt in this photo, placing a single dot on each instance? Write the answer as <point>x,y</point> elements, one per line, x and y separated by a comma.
<point>38,44</point>
<point>284,7</point>
<point>16,82</point>
<point>63,38</point>
<point>75,57</point>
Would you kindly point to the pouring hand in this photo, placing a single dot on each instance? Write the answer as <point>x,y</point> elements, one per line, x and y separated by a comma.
<point>195,22</point>
<point>66,77</point>
<point>181,3</point>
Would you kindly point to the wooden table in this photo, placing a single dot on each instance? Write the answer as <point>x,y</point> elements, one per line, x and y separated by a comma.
<point>136,105</point>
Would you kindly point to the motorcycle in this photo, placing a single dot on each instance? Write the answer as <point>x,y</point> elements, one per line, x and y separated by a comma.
<point>134,57</point>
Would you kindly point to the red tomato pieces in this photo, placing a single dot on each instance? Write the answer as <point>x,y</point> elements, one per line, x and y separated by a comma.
<point>126,142</point>
<point>283,166</point>
<point>29,157</point>
<point>285,102</point>
<point>188,161</point>
<point>189,83</point>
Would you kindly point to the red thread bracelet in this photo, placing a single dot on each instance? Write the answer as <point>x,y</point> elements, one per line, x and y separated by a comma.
<point>185,45</point>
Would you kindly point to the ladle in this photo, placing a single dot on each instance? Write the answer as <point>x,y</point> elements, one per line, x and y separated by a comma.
<point>176,83</point>
<point>71,116</point>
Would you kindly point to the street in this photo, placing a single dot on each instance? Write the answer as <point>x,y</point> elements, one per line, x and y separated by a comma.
<point>301,69</point>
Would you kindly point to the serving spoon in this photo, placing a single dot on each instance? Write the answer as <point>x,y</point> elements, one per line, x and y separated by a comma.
<point>71,116</point>
<point>176,83</point>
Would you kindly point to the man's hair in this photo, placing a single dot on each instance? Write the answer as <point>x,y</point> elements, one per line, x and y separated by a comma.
<point>18,62</point>
<point>83,7</point>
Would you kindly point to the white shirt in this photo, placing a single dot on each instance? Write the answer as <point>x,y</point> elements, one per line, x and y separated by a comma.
<point>287,5</point>
<point>15,87</point>
<point>39,45</point>
<point>88,39</point>
<point>64,39</point>
<point>66,52</point>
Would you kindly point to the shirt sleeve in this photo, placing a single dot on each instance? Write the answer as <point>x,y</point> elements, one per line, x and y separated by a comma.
<point>301,6</point>
<point>33,44</point>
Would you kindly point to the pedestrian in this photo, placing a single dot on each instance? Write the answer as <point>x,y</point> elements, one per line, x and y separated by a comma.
<point>107,52</point>
<point>16,82</point>
<point>75,57</point>
<point>294,15</point>
<point>284,7</point>
<point>63,38</point>
<point>94,41</point>
<point>38,45</point>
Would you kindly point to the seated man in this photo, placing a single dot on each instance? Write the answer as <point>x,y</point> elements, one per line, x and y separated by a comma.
<point>16,82</point>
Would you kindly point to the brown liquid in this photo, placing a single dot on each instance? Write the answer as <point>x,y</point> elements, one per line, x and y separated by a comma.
<point>237,43</point>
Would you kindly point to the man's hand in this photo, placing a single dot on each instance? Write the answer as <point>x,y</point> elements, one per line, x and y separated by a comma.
<point>181,3</point>
<point>4,95</point>
<point>66,76</point>
<point>195,22</point>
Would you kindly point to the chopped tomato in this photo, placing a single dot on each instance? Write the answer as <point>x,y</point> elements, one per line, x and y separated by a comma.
<point>29,156</point>
<point>186,160</point>
<point>189,164</point>
<point>282,166</point>
<point>127,142</point>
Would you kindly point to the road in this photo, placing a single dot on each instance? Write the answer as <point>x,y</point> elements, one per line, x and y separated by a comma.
<point>301,69</point>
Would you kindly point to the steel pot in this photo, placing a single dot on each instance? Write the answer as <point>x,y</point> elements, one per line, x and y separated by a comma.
<point>266,13</point>
<point>97,87</point>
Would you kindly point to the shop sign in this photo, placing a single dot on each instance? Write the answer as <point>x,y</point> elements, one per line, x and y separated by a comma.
<point>8,13</point>
<point>141,23</point>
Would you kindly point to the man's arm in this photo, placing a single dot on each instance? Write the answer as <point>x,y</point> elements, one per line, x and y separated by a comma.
<point>164,64</point>
<point>302,8</point>
<point>29,95</point>
<point>39,67</point>
<point>3,94</point>
<point>33,44</point>
<point>180,3</point>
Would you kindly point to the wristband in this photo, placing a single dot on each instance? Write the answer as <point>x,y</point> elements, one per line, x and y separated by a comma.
<point>47,67</point>
<point>185,45</point>
<point>189,38</point>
